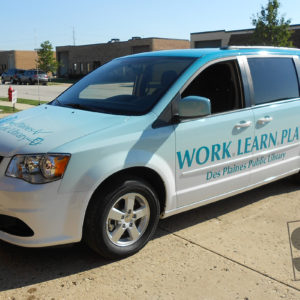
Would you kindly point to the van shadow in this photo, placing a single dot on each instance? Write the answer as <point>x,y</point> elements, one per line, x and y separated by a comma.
<point>21,267</point>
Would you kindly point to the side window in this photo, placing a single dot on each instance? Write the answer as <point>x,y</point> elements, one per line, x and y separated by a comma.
<point>273,79</point>
<point>221,84</point>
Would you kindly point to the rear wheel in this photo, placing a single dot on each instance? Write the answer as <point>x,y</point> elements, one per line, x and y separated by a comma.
<point>122,219</point>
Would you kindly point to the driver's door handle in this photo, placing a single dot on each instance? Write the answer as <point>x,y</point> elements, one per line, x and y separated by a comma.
<point>243,124</point>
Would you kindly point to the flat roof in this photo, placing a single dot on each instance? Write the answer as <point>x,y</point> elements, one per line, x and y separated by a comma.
<point>237,30</point>
<point>128,41</point>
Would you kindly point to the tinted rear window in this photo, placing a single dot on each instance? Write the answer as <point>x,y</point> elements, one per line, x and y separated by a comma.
<point>273,79</point>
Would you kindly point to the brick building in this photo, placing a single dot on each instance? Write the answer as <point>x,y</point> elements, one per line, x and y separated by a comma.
<point>223,38</point>
<point>79,60</point>
<point>17,59</point>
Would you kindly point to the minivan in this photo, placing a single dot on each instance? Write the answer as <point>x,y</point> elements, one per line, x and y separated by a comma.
<point>145,137</point>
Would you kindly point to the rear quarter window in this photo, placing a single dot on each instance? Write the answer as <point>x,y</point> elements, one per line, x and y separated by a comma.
<point>273,79</point>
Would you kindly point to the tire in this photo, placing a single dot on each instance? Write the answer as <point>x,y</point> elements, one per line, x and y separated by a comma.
<point>295,178</point>
<point>122,219</point>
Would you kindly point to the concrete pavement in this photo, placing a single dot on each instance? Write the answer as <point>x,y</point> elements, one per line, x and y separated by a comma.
<point>237,248</point>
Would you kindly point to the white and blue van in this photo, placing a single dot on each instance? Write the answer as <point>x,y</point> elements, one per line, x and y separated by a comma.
<point>145,137</point>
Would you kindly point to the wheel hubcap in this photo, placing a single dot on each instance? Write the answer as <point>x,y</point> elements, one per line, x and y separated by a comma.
<point>127,219</point>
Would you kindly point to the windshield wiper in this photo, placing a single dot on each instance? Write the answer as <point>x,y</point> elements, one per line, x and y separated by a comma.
<point>58,102</point>
<point>83,107</point>
<point>76,105</point>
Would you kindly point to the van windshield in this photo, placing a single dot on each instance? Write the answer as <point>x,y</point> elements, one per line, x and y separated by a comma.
<point>127,86</point>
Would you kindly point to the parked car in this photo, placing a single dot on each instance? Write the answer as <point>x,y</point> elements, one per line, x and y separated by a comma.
<point>145,137</point>
<point>18,76</point>
<point>11,75</point>
<point>33,77</point>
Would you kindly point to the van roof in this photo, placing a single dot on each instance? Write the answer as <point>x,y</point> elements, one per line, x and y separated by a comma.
<point>225,51</point>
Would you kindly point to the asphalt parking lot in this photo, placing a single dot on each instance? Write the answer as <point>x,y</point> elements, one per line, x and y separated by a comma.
<point>237,248</point>
<point>34,92</point>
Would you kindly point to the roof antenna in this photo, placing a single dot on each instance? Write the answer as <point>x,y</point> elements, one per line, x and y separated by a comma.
<point>74,36</point>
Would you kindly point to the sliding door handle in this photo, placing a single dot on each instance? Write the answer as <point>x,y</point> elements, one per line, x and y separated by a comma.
<point>266,119</point>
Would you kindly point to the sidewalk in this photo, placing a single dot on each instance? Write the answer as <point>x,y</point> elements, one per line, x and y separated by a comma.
<point>18,106</point>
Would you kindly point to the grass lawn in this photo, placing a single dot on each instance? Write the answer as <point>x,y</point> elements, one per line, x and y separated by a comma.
<point>26,101</point>
<point>54,83</point>
<point>61,81</point>
<point>7,109</point>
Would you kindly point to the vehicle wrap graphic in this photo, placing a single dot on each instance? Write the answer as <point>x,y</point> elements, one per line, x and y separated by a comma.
<point>217,152</point>
<point>228,170</point>
<point>22,131</point>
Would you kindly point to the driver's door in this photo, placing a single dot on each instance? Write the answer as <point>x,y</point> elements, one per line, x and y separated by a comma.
<point>213,152</point>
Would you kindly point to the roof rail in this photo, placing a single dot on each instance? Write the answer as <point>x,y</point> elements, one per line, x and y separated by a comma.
<point>254,47</point>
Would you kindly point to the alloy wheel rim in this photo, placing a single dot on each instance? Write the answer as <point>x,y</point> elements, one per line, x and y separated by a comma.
<point>127,219</point>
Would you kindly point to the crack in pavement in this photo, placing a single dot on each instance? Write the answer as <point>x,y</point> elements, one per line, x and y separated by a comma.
<point>230,259</point>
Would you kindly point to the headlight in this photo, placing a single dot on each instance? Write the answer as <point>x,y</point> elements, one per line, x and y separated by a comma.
<point>38,168</point>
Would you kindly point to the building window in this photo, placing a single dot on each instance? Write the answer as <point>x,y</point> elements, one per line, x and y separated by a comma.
<point>89,67</point>
<point>81,68</point>
<point>3,67</point>
<point>75,68</point>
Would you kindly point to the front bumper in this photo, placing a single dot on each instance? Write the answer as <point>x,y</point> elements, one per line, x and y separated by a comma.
<point>54,218</point>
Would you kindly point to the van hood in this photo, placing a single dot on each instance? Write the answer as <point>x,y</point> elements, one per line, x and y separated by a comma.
<point>43,128</point>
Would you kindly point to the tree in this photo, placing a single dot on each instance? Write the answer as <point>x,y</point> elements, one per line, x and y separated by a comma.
<point>46,60</point>
<point>270,29</point>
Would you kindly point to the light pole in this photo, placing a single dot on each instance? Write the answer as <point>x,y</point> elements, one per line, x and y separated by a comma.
<point>37,73</point>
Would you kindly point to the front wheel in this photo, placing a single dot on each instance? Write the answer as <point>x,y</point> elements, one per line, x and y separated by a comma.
<point>122,219</point>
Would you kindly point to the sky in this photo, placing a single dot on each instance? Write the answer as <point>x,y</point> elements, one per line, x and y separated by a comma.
<point>25,24</point>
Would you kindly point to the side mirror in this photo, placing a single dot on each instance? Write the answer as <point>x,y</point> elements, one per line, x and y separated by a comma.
<point>193,107</point>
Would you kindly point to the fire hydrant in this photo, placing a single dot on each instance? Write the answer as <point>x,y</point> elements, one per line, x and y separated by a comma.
<point>10,91</point>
